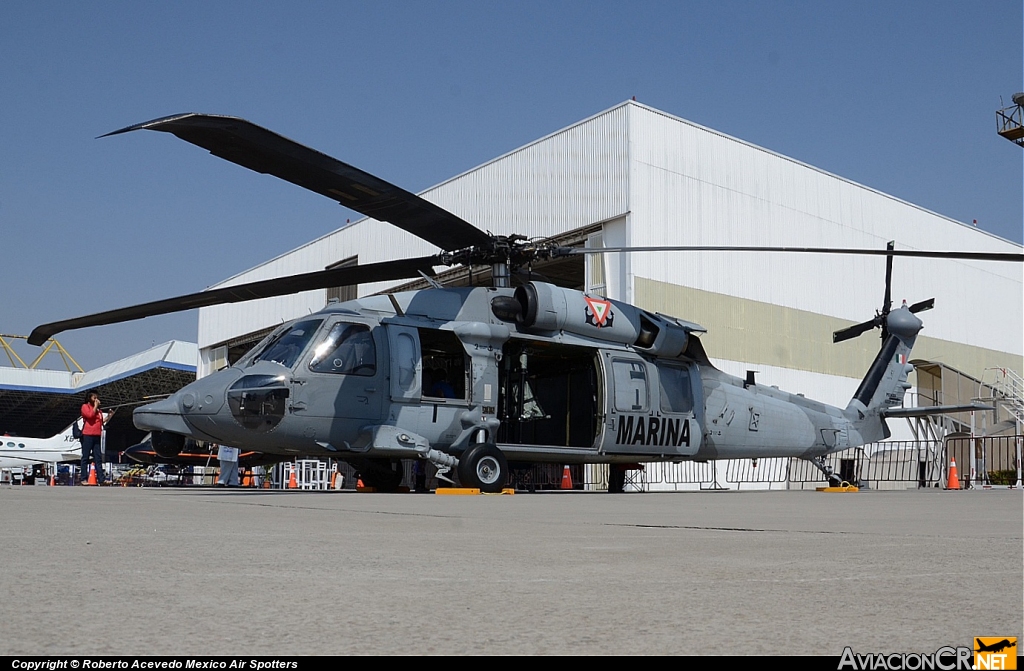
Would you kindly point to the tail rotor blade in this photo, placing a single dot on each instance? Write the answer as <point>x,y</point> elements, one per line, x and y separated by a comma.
<point>887,298</point>
<point>922,306</point>
<point>887,301</point>
<point>855,330</point>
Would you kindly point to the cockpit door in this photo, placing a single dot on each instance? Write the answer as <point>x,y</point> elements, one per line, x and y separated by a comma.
<point>343,375</point>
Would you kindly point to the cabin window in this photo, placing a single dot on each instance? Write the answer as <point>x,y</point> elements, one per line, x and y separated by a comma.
<point>676,390</point>
<point>258,401</point>
<point>444,364</point>
<point>348,349</point>
<point>630,385</point>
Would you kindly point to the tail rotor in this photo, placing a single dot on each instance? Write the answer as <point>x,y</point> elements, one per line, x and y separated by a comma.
<point>881,318</point>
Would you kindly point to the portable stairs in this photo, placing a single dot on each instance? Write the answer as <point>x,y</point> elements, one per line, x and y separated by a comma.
<point>939,384</point>
<point>1007,392</point>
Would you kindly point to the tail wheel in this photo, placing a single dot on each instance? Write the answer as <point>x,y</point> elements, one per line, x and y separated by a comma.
<point>483,466</point>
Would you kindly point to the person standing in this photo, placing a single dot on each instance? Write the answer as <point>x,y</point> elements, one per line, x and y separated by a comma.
<point>228,458</point>
<point>93,420</point>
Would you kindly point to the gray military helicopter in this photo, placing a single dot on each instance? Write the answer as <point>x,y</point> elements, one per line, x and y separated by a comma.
<point>475,378</point>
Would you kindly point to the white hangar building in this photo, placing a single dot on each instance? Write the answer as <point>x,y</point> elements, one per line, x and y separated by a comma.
<point>635,176</point>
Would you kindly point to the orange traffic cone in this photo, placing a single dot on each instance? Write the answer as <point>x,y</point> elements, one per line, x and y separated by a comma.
<point>92,475</point>
<point>953,481</point>
<point>52,480</point>
<point>566,479</point>
<point>292,481</point>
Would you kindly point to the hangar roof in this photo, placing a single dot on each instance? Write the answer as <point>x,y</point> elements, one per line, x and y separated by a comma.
<point>41,403</point>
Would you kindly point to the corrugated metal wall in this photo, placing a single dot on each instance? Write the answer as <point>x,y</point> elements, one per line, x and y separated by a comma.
<point>690,185</point>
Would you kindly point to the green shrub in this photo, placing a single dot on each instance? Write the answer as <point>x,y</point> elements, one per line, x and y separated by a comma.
<point>1007,477</point>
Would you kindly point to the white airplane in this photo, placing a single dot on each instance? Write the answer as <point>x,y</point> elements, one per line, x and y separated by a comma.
<point>17,451</point>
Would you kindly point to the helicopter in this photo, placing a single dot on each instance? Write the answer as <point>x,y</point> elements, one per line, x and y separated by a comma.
<point>481,379</point>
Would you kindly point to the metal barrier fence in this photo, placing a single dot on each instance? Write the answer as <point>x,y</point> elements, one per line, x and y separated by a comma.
<point>993,461</point>
<point>888,465</point>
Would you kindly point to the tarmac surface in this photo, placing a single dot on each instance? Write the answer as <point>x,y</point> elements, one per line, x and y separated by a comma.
<point>203,571</point>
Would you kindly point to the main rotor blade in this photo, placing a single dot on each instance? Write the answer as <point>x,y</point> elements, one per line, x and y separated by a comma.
<point>264,151</point>
<point>278,286</point>
<point>971,256</point>
<point>855,330</point>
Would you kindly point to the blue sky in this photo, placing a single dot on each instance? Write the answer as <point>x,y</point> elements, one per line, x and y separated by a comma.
<point>897,96</point>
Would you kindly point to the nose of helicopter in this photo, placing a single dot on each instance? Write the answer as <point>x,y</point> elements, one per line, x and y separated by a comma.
<point>162,415</point>
<point>204,397</point>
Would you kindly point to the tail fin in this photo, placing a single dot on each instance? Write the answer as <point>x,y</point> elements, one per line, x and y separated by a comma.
<point>69,434</point>
<point>886,381</point>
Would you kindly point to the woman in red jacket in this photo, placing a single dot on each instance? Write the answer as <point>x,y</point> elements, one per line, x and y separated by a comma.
<point>93,420</point>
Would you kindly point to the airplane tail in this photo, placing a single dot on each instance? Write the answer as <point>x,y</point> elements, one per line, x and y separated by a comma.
<point>70,434</point>
<point>886,381</point>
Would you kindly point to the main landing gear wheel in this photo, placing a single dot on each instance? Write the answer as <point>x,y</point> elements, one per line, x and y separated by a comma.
<point>483,466</point>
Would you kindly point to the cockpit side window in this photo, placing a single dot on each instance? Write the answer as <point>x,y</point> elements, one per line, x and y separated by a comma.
<point>286,348</point>
<point>348,349</point>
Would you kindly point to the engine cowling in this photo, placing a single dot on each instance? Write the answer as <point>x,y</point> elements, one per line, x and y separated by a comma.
<point>543,307</point>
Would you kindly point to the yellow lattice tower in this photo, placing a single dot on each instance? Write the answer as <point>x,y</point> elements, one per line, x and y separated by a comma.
<point>50,346</point>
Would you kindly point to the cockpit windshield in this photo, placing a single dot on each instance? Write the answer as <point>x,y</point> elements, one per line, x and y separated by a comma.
<point>286,348</point>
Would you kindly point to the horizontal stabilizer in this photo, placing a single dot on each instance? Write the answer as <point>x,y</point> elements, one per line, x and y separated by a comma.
<point>926,410</point>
